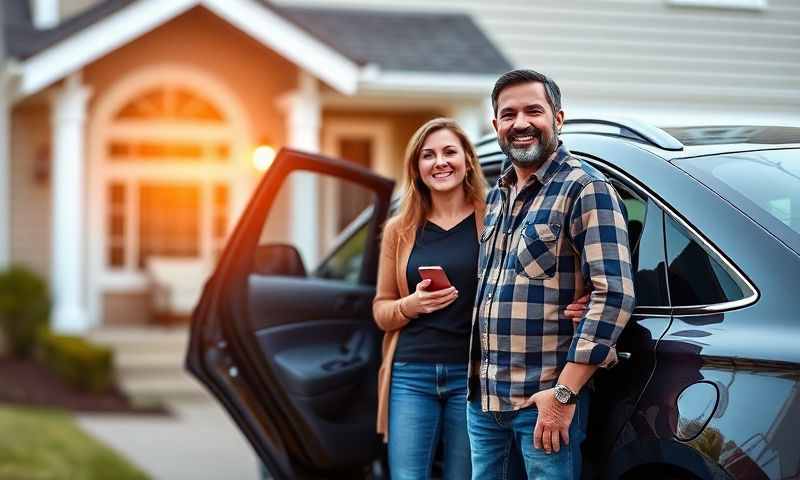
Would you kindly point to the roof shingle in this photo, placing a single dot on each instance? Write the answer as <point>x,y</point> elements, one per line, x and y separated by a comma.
<point>403,41</point>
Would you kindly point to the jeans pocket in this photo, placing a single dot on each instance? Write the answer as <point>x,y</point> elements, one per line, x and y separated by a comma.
<point>537,252</point>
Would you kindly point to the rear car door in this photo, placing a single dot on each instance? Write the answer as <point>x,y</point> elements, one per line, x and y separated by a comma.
<point>287,342</point>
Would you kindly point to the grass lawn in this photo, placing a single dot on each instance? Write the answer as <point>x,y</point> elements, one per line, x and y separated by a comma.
<point>41,444</point>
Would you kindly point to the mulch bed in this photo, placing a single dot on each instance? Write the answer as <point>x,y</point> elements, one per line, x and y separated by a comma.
<point>28,383</point>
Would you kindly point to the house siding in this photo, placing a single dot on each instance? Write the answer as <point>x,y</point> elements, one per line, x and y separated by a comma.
<point>30,201</point>
<point>646,57</point>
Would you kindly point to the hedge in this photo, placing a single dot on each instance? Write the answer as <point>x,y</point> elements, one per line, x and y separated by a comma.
<point>78,362</point>
<point>24,309</point>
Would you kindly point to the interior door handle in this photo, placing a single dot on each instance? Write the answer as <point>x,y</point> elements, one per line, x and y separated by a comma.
<point>624,355</point>
<point>346,304</point>
<point>351,351</point>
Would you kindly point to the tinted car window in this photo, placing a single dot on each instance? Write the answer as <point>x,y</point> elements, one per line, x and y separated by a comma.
<point>646,237</point>
<point>649,261</point>
<point>695,276</point>
<point>345,262</point>
<point>763,184</point>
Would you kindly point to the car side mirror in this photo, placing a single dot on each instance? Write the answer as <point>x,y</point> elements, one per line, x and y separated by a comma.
<point>278,259</point>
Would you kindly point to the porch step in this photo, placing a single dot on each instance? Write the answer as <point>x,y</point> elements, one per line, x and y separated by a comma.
<point>165,389</point>
<point>142,339</point>
<point>145,363</point>
<point>149,363</point>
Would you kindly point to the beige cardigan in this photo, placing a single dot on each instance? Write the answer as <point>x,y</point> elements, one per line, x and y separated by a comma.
<point>391,291</point>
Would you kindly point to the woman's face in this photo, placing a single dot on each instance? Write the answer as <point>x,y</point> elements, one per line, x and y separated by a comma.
<point>442,161</point>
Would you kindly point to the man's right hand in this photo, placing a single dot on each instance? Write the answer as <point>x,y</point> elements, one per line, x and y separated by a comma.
<point>423,301</point>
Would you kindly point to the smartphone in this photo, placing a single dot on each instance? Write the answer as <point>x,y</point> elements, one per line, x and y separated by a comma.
<point>438,278</point>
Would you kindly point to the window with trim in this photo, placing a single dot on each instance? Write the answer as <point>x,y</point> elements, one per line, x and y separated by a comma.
<point>160,201</point>
<point>696,276</point>
<point>646,238</point>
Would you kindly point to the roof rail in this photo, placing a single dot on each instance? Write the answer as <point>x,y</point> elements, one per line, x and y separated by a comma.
<point>629,128</point>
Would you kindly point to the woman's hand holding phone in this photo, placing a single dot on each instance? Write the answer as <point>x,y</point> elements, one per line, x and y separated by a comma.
<point>423,301</point>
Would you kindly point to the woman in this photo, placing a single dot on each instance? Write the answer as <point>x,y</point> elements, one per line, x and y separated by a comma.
<point>423,379</point>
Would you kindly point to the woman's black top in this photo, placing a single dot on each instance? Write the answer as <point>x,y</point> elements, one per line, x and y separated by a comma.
<point>442,336</point>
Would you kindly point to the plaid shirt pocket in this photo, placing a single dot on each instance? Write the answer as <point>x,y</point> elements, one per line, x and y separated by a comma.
<point>537,252</point>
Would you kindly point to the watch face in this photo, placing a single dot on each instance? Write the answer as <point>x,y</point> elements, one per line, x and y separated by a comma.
<point>562,395</point>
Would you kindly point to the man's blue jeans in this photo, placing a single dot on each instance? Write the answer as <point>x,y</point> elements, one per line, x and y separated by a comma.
<point>494,437</point>
<point>427,402</point>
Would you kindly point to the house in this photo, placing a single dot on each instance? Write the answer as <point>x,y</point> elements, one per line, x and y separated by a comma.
<point>129,126</point>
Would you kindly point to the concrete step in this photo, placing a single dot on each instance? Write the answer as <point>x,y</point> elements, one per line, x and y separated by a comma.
<point>146,391</point>
<point>132,364</point>
<point>142,339</point>
<point>149,363</point>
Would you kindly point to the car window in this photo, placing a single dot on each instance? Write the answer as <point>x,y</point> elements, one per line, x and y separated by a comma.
<point>646,238</point>
<point>696,277</point>
<point>344,263</point>
<point>763,184</point>
<point>302,228</point>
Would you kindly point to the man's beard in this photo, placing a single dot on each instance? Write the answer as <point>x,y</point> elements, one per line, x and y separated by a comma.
<point>534,155</point>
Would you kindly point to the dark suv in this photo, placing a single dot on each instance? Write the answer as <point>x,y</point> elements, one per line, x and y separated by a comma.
<point>708,386</point>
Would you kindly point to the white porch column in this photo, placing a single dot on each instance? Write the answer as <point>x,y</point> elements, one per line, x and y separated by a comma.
<point>5,168</point>
<point>68,114</point>
<point>303,116</point>
<point>470,115</point>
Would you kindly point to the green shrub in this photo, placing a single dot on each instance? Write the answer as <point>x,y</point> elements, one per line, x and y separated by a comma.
<point>24,309</point>
<point>78,362</point>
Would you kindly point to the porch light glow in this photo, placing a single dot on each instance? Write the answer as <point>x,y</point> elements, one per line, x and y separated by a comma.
<point>262,157</point>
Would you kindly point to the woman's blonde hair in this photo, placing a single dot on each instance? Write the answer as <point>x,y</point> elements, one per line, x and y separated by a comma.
<point>417,204</point>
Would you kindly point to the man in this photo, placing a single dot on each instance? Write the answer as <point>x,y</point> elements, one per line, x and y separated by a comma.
<point>553,224</point>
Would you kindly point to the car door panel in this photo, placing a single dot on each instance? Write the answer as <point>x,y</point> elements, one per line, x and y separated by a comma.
<point>619,389</point>
<point>274,300</point>
<point>294,359</point>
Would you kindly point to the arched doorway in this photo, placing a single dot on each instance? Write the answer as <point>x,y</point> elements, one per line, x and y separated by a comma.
<point>168,174</point>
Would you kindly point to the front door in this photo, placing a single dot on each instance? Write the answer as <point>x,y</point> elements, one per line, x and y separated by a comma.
<point>291,349</point>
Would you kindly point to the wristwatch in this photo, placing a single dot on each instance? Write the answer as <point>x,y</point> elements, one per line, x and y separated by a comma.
<point>564,395</point>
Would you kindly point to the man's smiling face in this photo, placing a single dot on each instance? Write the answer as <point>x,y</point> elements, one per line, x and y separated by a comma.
<point>525,124</point>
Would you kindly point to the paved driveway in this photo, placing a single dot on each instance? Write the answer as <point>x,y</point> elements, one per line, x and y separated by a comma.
<point>198,442</point>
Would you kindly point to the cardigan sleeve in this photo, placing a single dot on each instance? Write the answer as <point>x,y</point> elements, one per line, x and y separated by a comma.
<point>386,305</point>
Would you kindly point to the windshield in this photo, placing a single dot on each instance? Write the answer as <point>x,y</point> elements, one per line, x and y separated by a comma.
<point>763,184</point>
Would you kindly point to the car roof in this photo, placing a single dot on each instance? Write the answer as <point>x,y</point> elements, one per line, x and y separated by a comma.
<point>669,143</point>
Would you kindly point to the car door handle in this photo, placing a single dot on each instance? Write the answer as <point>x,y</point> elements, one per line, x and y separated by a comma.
<point>351,353</point>
<point>624,355</point>
<point>346,304</point>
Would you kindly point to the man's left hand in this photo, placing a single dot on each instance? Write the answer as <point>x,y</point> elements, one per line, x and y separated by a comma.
<point>552,422</point>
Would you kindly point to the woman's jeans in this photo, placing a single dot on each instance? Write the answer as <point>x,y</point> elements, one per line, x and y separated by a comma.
<point>427,402</point>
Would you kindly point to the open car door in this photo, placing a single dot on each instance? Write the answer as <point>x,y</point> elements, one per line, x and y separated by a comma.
<point>286,343</point>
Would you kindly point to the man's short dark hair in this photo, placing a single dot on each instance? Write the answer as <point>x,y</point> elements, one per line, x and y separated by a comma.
<point>516,77</point>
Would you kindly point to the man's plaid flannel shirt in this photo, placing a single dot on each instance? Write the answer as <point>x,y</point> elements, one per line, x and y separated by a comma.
<point>566,220</point>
